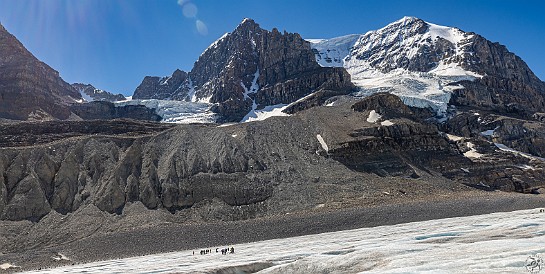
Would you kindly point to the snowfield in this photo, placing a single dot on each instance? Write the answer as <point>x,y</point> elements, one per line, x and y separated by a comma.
<point>490,243</point>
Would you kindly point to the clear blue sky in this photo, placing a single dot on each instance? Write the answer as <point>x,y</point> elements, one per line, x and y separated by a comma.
<point>113,44</point>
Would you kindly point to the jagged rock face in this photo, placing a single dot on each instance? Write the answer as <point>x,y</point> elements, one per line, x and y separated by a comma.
<point>408,44</point>
<point>522,135</point>
<point>508,84</point>
<point>251,65</point>
<point>30,89</point>
<point>425,64</point>
<point>107,110</point>
<point>268,67</point>
<point>385,104</point>
<point>492,141</point>
<point>97,94</point>
<point>174,87</point>
<point>396,147</point>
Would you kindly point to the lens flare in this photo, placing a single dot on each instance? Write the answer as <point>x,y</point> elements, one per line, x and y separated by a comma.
<point>189,10</point>
<point>201,27</point>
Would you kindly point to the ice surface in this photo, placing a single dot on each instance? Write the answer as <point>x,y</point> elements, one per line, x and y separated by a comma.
<point>489,132</point>
<point>6,266</point>
<point>331,52</point>
<point>490,243</point>
<point>453,35</point>
<point>60,257</point>
<point>85,97</point>
<point>164,80</point>
<point>176,111</point>
<point>191,94</point>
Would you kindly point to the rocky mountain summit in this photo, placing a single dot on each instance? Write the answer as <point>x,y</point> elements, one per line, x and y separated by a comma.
<point>246,70</point>
<point>174,87</point>
<point>30,89</point>
<point>433,66</point>
<point>90,93</point>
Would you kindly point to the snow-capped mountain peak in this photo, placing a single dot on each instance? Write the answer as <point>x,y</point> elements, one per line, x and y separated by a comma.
<point>412,44</point>
<point>410,57</point>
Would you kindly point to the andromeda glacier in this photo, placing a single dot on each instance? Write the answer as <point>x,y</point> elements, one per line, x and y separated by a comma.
<point>503,242</point>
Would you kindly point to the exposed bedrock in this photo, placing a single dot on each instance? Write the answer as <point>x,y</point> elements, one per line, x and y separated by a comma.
<point>274,166</point>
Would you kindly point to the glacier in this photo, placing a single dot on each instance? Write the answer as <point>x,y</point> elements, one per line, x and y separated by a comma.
<point>180,112</point>
<point>370,59</point>
<point>490,243</point>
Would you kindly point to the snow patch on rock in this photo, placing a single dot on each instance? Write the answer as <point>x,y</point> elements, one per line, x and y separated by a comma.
<point>454,137</point>
<point>472,152</point>
<point>387,123</point>
<point>322,142</point>
<point>264,113</point>
<point>373,116</point>
<point>505,148</point>
<point>6,266</point>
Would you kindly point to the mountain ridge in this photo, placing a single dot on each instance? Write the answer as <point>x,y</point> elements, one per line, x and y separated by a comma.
<point>90,93</point>
<point>282,64</point>
<point>410,46</point>
<point>29,88</point>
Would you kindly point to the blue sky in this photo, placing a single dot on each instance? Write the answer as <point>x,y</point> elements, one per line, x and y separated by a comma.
<point>113,44</point>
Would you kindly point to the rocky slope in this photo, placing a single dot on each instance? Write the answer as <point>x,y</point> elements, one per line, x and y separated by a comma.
<point>90,93</point>
<point>30,89</point>
<point>174,87</point>
<point>433,66</point>
<point>327,154</point>
<point>246,70</point>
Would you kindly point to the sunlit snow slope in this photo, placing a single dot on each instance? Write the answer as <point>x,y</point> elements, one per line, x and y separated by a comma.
<point>490,243</point>
<point>411,58</point>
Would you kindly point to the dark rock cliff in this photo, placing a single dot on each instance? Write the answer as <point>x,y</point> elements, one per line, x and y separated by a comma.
<point>107,110</point>
<point>246,66</point>
<point>30,89</point>
<point>174,87</point>
<point>508,85</point>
